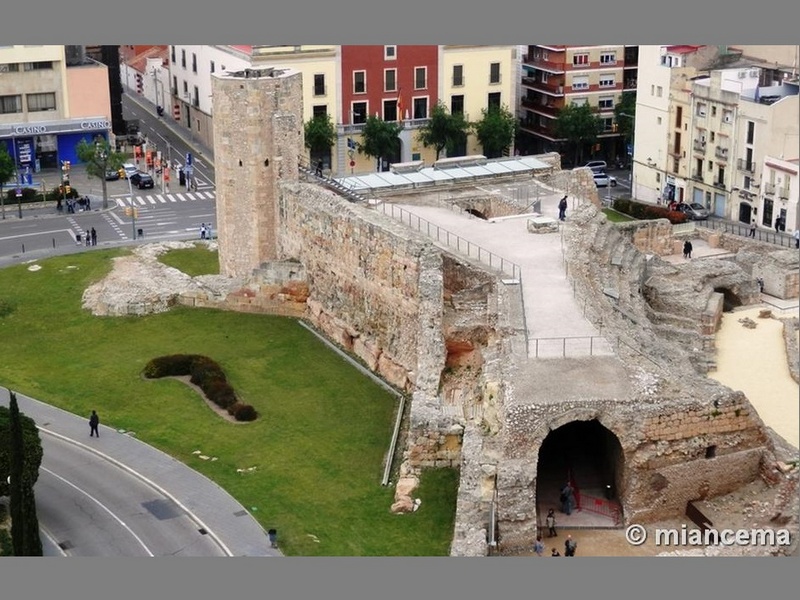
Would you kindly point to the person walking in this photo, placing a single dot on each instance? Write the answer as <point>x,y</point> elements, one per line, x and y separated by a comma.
<point>94,421</point>
<point>570,546</point>
<point>550,521</point>
<point>94,237</point>
<point>538,546</point>
<point>562,209</point>
<point>318,171</point>
<point>567,498</point>
<point>202,231</point>
<point>753,229</point>
<point>796,236</point>
<point>687,249</point>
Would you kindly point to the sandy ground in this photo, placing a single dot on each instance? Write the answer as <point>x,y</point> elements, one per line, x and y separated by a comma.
<point>754,361</point>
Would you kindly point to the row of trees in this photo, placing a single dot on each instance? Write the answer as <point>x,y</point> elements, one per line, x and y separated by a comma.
<point>20,457</point>
<point>579,126</point>
<point>443,131</point>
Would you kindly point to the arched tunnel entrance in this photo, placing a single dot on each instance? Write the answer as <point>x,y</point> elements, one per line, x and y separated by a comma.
<point>476,213</point>
<point>729,299</point>
<point>591,458</point>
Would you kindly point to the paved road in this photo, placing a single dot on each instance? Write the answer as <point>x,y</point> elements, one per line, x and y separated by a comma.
<point>167,517</point>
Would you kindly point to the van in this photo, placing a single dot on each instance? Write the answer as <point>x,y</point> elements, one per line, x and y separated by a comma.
<point>597,166</point>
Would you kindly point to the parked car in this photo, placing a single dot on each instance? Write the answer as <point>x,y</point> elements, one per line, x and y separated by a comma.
<point>128,169</point>
<point>604,180</point>
<point>112,175</point>
<point>694,211</point>
<point>597,166</point>
<point>142,180</point>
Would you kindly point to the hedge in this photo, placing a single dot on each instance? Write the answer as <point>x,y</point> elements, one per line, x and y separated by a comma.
<point>642,211</point>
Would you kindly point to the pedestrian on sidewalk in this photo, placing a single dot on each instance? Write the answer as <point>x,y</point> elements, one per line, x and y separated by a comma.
<point>760,283</point>
<point>555,552</point>
<point>570,546</point>
<point>202,231</point>
<point>550,521</point>
<point>318,172</point>
<point>687,249</point>
<point>562,209</point>
<point>538,546</point>
<point>753,229</point>
<point>88,235</point>
<point>94,237</point>
<point>796,236</point>
<point>94,421</point>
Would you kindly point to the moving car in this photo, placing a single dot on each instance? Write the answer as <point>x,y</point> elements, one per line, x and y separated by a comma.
<point>142,180</point>
<point>128,169</point>
<point>694,211</point>
<point>112,175</point>
<point>604,180</point>
<point>597,166</point>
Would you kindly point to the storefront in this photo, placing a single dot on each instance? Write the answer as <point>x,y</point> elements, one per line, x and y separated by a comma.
<point>45,145</point>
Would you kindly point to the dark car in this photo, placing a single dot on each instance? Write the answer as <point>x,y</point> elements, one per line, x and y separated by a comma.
<point>112,175</point>
<point>142,180</point>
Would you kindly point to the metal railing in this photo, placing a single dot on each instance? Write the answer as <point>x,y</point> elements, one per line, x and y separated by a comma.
<point>492,537</point>
<point>540,345</point>
<point>329,182</point>
<point>743,229</point>
<point>452,240</point>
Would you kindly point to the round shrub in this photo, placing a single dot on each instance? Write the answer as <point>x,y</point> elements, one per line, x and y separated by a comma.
<point>245,412</point>
<point>220,393</point>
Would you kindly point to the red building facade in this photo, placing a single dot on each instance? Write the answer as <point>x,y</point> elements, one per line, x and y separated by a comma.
<point>394,82</point>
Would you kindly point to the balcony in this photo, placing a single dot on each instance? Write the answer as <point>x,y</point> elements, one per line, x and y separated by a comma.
<point>744,165</point>
<point>540,130</point>
<point>783,193</point>
<point>545,65</point>
<point>699,146</point>
<point>630,84</point>
<point>550,110</point>
<point>697,175</point>
<point>721,153</point>
<point>769,189</point>
<point>719,184</point>
<point>550,87</point>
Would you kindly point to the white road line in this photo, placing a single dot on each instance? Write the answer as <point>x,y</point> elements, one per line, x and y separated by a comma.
<point>181,198</point>
<point>104,507</point>
<point>189,196</point>
<point>151,200</point>
<point>11,237</point>
<point>161,198</point>
<point>210,195</point>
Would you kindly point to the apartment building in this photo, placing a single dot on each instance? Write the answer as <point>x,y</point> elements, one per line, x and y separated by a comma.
<point>559,75</point>
<point>50,100</point>
<point>778,194</point>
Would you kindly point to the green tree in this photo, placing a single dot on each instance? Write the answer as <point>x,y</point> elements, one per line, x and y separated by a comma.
<point>443,130</point>
<point>496,130</point>
<point>99,158</point>
<point>320,136</point>
<point>25,538</point>
<point>380,139</point>
<point>579,125</point>
<point>32,445</point>
<point>625,116</point>
<point>7,171</point>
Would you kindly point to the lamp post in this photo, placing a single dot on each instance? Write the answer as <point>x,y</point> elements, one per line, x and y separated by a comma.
<point>133,208</point>
<point>155,72</point>
<point>102,157</point>
<point>189,116</point>
<point>632,118</point>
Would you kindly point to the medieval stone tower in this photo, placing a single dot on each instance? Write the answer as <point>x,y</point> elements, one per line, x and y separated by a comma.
<point>258,138</point>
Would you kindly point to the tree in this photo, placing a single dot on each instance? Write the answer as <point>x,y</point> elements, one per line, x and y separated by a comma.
<point>380,139</point>
<point>443,130</point>
<point>99,158</point>
<point>580,126</point>
<point>496,130</point>
<point>320,136</point>
<point>7,171</point>
<point>625,116</point>
<point>25,537</point>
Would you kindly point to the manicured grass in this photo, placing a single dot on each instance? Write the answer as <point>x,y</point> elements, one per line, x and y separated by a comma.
<point>616,217</point>
<point>317,447</point>
<point>193,261</point>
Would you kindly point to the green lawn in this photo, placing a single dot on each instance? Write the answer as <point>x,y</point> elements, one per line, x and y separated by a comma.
<point>193,261</point>
<point>318,445</point>
<point>616,217</point>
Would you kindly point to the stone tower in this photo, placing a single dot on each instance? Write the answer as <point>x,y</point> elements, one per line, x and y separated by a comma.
<point>258,139</point>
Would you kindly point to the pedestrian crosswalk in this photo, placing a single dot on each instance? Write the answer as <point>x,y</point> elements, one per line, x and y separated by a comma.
<point>149,199</point>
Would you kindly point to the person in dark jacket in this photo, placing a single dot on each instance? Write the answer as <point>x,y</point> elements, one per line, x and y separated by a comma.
<point>562,209</point>
<point>687,249</point>
<point>94,421</point>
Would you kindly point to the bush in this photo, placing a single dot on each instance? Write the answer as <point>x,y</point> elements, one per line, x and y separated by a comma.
<point>173,365</point>
<point>57,194</point>
<point>28,195</point>
<point>642,211</point>
<point>220,393</point>
<point>203,370</point>
<point>245,412</point>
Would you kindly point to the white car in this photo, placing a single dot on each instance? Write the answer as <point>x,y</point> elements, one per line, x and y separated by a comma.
<point>130,169</point>
<point>604,180</point>
<point>597,166</point>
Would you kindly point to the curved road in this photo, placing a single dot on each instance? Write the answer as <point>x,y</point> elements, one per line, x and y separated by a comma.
<point>88,506</point>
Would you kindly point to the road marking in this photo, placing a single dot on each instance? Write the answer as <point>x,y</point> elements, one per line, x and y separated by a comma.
<point>151,200</point>
<point>161,199</point>
<point>180,197</point>
<point>103,506</point>
<point>11,237</point>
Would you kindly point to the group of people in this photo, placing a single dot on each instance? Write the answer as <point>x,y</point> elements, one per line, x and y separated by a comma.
<point>205,231</point>
<point>91,237</point>
<point>83,203</point>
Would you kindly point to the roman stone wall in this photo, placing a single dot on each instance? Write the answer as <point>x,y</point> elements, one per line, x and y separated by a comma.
<point>649,237</point>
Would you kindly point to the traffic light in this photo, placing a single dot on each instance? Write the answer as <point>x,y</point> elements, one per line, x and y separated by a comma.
<point>137,152</point>
<point>128,211</point>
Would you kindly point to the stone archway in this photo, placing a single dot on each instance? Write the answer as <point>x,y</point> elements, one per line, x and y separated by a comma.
<point>591,457</point>
<point>730,300</point>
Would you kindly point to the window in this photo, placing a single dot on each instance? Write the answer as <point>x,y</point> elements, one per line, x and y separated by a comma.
<point>420,78</point>
<point>607,80</point>
<point>9,68</point>
<point>319,84</point>
<point>701,109</point>
<point>458,75</point>
<point>183,58</point>
<point>659,91</point>
<point>493,100</point>
<point>580,101</point>
<point>751,131</point>
<point>713,111</point>
<point>194,62</point>
<point>416,156</point>
<point>39,102</point>
<point>544,76</point>
<point>390,80</point>
<point>580,82</point>
<point>172,48</point>
<point>420,108</point>
<point>608,124</point>
<point>713,135</point>
<point>606,102</point>
<point>580,59</point>
<point>196,97</point>
<point>38,66</point>
<point>727,116</point>
<point>359,112</point>
<point>359,82</point>
<point>185,89</point>
<point>212,67</point>
<point>678,116</point>
<point>10,104</point>
<point>457,104</point>
<point>608,58</point>
<point>710,166</point>
<point>494,73</point>
<point>658,120</point>
<point>175,85</point>
<point>389,52</point>
<point>320,110</point>
<point>721,175</point>
<point>390,110</point>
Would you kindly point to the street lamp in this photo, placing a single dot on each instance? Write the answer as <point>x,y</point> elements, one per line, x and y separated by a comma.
<point>155,72</point>
<point>632,118</point>
<point>189,116</point>
<point>133,208</point>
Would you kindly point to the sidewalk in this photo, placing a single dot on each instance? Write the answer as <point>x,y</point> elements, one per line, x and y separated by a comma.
<point>225,519</point>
